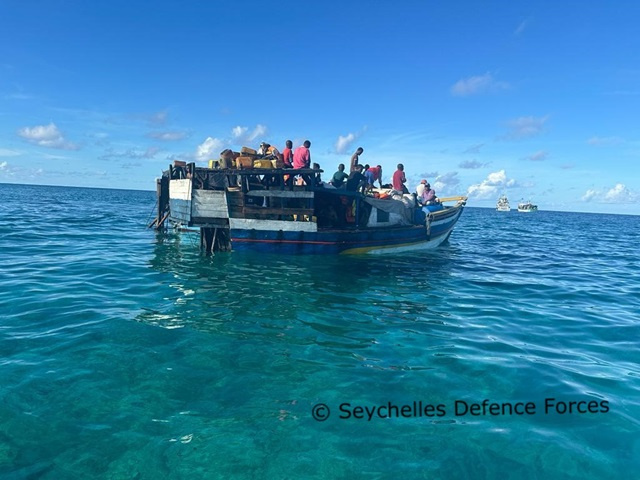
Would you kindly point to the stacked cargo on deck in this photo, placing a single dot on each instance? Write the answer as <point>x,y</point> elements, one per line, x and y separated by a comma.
<point>247,158</point>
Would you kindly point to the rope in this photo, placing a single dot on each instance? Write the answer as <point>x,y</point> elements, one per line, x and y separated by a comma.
<point>151,214</point>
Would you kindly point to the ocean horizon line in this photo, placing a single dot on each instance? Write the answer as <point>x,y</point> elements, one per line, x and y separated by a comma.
<point>153,191</point>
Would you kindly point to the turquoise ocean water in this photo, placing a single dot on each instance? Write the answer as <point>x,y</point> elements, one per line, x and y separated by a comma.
<point>125,354</point>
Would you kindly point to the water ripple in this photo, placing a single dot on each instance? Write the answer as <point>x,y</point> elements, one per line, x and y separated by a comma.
<point>109,327</point>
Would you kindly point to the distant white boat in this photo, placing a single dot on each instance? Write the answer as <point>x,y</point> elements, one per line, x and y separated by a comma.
<point>503,204</point>
<point>527,207</point>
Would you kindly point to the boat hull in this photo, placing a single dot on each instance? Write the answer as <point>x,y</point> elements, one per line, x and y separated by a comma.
<point>299,221</point>
<point>356,241</point>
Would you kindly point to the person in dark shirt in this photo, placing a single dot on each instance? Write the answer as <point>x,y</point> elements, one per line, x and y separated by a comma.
<point>356,179</point>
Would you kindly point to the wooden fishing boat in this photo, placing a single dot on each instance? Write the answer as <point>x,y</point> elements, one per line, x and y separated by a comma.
<point>288,211</point>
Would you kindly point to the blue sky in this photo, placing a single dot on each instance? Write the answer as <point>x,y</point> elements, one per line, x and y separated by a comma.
<point>538,100</point>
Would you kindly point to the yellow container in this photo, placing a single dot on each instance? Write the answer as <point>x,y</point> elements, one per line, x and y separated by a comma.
<point>213,163</point>
<point>277,163</point>
<point>262,164</point>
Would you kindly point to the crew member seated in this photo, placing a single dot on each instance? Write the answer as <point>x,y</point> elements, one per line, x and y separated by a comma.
<point>428,196</point>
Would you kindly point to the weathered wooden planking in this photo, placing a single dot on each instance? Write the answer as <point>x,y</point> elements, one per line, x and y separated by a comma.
<point>278,211</point>
<point>285,226</point>
<point>180,200</point>
<point>180,189</point>
<point>279,193</point>
<point>209,204</point>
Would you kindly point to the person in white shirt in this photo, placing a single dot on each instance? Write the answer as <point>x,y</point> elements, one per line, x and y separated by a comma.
<point>420,188</point>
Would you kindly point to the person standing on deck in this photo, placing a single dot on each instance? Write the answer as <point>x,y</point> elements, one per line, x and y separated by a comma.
<point>399,179</point>
<point>287,154</point>
<point>302,156</point>
<point>355,159</point>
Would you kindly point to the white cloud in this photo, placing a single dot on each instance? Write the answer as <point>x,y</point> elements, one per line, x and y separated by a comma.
<point>618,194</point>
<point>238,132</point>
<point>259,131</point>
<point>490,186</point>
<point>210,148</point>
<point>7,170</point>
<point>446,182</point>
<point>242,134</point>
<point>478,84</point>
<point>47,136</point>
<point>590,195</point>
<point>524,127</point>
<point>343,143</point>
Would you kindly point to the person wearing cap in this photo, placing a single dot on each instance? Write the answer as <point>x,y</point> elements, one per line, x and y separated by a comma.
<point>420,188</point>
<point>429,196</point>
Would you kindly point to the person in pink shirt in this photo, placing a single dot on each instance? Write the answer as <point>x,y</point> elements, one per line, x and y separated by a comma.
<point>399,179</point>
<point>302,156</point>
<point>287,154</point>
<point>428,196</point>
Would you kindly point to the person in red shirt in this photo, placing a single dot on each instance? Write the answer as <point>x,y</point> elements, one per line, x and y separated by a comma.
<point>376,172</point>
<point>399,179</point>
<point>287,154</point>
<point>302,156</point>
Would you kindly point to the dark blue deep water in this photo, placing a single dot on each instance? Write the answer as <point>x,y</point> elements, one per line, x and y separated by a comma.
<point>125,354</point>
